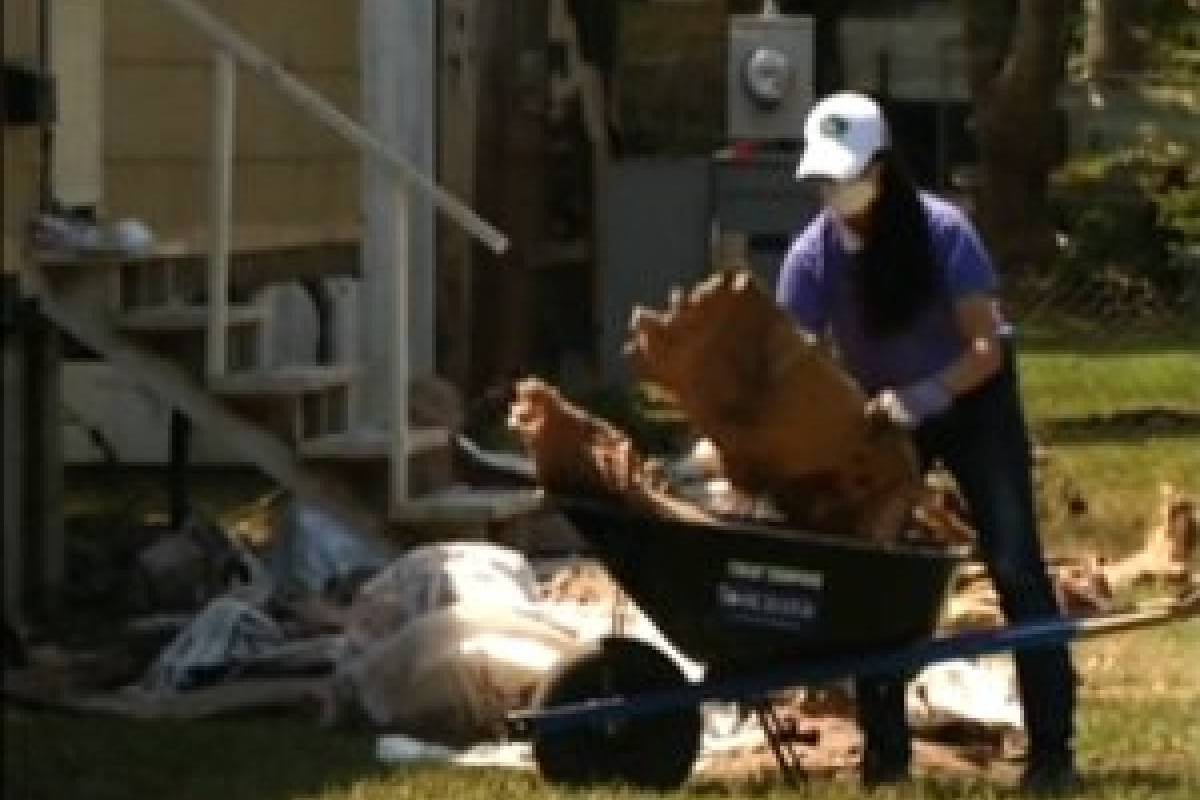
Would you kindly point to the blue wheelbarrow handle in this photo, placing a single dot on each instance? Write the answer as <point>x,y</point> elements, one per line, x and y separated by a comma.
<point>894,662</point>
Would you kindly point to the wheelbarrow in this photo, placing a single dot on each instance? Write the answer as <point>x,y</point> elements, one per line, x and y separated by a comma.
<point>766,609</point>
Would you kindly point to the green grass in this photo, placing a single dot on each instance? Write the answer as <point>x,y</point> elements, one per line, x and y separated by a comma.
<point>1118,421</point>
<point>1065,383</point>
<point>1139,737</point>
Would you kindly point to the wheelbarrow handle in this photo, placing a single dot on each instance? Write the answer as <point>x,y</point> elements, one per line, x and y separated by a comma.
<point>909,659</point>
<point>1185,607</point>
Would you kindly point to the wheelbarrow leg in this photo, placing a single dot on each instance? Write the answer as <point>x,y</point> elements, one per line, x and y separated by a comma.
<point>781,735</point>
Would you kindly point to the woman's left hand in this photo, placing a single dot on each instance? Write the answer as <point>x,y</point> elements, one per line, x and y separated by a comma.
<point>887,409</point>
<point>908,406</point>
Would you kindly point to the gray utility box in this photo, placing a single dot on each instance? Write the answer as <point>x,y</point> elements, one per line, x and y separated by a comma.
<point>759,201</point>
<point>770,76</point>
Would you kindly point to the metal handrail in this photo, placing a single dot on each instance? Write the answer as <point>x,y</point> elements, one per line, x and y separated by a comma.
<point>232,48</point>
<point>311,101</point>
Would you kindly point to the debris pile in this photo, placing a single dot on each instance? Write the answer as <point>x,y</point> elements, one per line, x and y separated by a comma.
<point>440,642</point>
<point>1090,585</point>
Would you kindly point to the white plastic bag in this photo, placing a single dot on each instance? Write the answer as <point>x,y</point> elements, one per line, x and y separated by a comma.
<point>452,674</point>
<point>436,576</point>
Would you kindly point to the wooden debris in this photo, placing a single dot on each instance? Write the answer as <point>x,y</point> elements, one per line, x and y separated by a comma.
<point>578,454</point>
<point>785,420</point>
<point>1169,550</point>
<point>785,417</point>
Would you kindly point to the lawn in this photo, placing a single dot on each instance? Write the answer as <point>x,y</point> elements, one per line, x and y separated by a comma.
<point>1117,423</point>
<point>1139,717</point>
<point>1139,737</point>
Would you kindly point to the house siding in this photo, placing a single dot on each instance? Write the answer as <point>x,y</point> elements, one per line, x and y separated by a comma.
<point>294,181</point>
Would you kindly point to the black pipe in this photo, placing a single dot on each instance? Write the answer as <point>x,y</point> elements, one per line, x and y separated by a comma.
<point>322,302</point>
<point>35,415</point>
<point>179,445</point>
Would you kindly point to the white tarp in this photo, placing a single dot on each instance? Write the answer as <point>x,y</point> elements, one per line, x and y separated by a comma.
<point>451,675</point>
<point>436,576</point>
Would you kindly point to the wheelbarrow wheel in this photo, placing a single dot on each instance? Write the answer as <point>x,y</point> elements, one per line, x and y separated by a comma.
<point>653,751</point>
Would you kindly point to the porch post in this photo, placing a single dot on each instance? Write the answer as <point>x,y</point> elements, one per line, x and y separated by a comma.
<point>397,48</point>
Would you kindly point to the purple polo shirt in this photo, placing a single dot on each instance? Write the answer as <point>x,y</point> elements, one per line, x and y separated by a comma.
<point>814,285</point>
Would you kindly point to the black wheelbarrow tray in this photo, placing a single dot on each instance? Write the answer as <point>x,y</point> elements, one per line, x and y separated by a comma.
<point>765,609</point>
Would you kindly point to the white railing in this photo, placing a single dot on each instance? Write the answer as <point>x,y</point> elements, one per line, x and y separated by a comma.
<point>232,49</point>
<point>220,210</point>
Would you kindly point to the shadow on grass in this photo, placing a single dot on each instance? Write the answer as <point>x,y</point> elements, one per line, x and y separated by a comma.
<point>1134,782</point>
<point>51,755</point>
<point>1128,425</point>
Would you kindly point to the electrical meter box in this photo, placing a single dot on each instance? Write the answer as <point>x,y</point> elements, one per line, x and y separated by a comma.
<point>770,76</point>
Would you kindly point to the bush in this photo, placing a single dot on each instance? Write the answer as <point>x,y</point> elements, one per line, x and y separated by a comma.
<point>1130,221</point>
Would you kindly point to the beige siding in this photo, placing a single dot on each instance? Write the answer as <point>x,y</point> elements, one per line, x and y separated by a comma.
<point>77,36</point>
<point>291,173</point>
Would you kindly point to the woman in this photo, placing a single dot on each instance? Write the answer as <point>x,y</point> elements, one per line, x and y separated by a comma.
<point>901,284</point>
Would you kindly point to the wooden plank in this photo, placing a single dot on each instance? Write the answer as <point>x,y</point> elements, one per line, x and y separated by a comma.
<point>228,697</point>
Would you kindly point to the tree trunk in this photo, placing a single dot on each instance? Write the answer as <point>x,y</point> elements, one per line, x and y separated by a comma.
<point>1114,42</point>
<point>1015,66</point>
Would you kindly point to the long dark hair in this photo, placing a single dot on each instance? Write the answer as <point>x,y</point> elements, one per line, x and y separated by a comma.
<point>896,275</point>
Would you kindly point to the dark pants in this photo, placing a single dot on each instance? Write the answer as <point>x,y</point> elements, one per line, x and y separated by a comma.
<point>982,441</point>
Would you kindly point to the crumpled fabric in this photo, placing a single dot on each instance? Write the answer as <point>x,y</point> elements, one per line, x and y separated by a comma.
<point>227,631</point>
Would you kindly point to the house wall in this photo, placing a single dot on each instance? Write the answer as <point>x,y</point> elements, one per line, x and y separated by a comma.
<point>77,61</point>
<point>294,180</point>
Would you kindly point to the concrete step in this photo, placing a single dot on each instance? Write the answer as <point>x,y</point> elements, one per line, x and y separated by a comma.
<point>187,318</point>
<point>180,332</point>
<point>469,506</point>
<point>286,381</point>
<point>360,458</point>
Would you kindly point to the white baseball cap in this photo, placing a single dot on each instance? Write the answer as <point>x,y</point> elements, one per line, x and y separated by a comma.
<point>842,134</point>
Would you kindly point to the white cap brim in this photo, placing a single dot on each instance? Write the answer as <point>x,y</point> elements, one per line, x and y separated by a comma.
<point>824,158</point>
